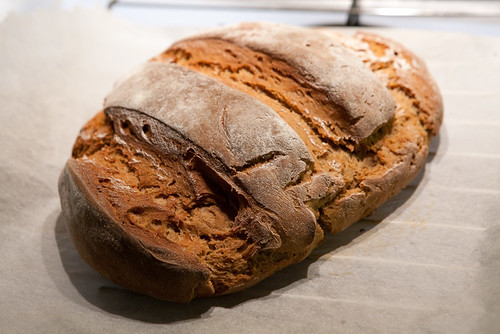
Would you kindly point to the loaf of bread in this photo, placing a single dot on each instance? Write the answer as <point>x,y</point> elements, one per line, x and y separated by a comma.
<point>230,155</point>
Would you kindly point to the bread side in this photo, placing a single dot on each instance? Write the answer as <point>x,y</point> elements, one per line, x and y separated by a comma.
<point>123,252</point>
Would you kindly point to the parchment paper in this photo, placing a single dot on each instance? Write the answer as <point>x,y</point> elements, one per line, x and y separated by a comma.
<point>427,261</point>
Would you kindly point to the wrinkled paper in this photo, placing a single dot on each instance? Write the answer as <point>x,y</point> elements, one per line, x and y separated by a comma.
<point>427,261</point>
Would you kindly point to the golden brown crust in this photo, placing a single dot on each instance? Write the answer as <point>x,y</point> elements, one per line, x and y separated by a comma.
<point>404,148</point>
<point>223,159</point>
<point>409,73</point>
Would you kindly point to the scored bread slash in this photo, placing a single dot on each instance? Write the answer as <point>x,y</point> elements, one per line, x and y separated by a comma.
<point>226,158</point>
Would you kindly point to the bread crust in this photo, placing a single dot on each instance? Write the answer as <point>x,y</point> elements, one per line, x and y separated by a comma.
<point>417,98</point>
<point>360,103</point>
<point>224,159</point>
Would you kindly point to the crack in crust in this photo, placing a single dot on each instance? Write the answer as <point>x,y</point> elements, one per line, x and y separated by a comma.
<point>177,198</point>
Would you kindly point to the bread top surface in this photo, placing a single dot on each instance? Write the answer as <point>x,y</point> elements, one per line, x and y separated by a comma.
<point>231,125</point>
<point>356,101</point>
<point>397,66</point>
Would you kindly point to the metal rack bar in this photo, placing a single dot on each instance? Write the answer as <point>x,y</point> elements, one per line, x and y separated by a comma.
<point>447,8</point>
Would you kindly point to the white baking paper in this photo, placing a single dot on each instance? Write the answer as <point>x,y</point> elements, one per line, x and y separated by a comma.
<point>426,262</point>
